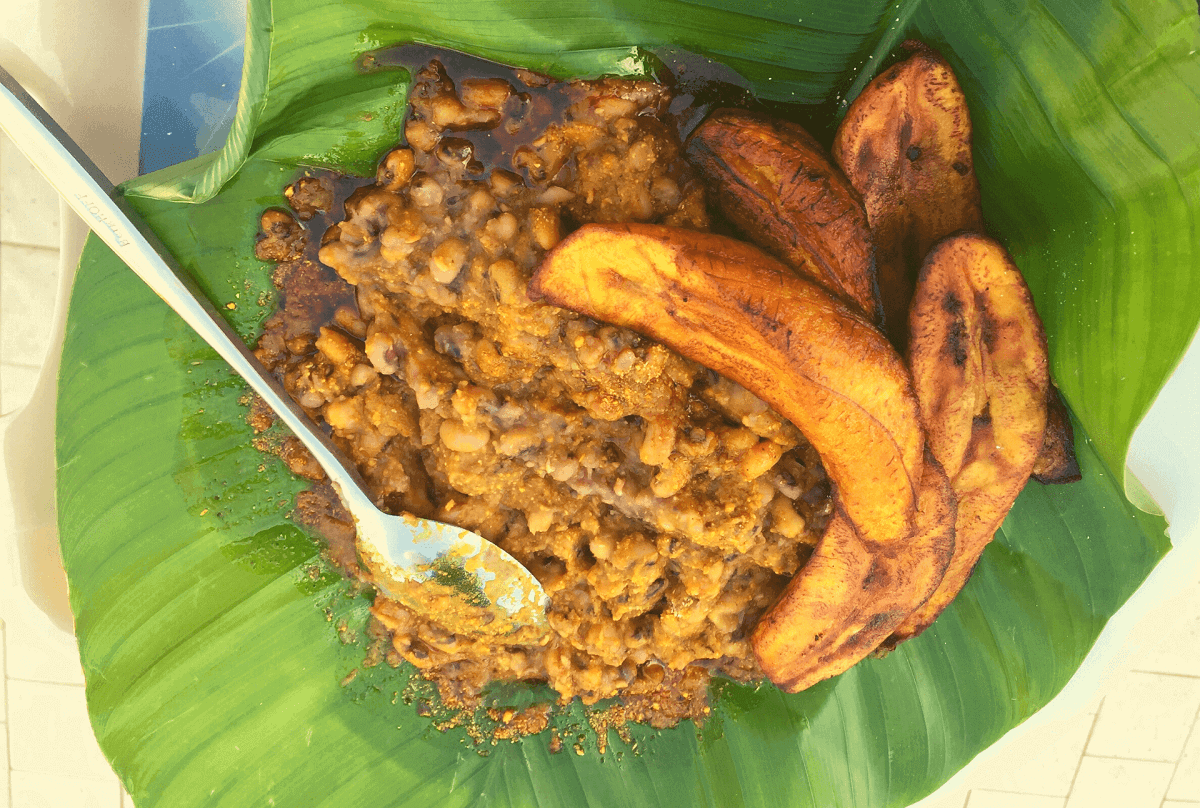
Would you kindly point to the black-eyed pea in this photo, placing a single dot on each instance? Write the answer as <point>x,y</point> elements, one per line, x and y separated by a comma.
<point>490,361</point>
<point>362,374</point>
<point>401,235</point>
<point>588,350</point>
<point>515,441</point>
<point>760,458</point>
<point>395,170</point>
<point>539,519</point>
<point>352,234</point>
<point>447,260</point>
<point>485,93</point>
<point>726,615</point>
<point>507,281</point>
<point>344,415</point>
<point>503,182</point>
<point>426,192</point>
<point>784,519</point>
<point>665,192</point>
<point>658,441</point>
<point>283,237</point>
<point>421,135</point>
<point>458,437</point>
<point>558,661</point>
<point>641,155</point>
<point>337,347</point>
<point>564,469</point>
<point>738,441</point>
<point>642,204</point>
<point>438,293</point>
<point>603,638</point>
<point>311,399</point>
<point>447,112</point>
<point>593,681</point>
<point>602,546</point>
<point>479,204</point>
<point>503,226</point>
<point>455,152</point>
<point>468,398</point>
<point>581,134</point>
<point>611,107</point>
<point>602,406</point>
<point>671,478</point>
<point>380,350</point>
<point>534,164</point>
<point>348,320</point>
<point>625,361</point>
<point>636,550</point>
<point>697,443</point>
<point>546,227</point>
<point>555,195</point>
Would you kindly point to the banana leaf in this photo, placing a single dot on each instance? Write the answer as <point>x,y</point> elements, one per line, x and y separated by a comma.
<point>224,660</point>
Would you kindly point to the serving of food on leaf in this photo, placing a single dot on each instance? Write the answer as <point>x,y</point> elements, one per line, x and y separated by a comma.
<point>746,407</point>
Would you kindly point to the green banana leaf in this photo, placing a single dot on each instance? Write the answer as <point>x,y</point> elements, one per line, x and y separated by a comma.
<point>224,661</point>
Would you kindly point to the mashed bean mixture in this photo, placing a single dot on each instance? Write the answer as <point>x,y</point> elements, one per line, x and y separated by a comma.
<point>662,506</point>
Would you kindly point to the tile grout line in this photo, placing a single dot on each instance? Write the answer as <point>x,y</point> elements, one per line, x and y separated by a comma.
<point>1028,793</point>
<point>1183,752</point>
<point>1132,759</point>
<point>1166,673</point>
<point>1083,754</point>
<point>24,246</point>
<point>84,684</point>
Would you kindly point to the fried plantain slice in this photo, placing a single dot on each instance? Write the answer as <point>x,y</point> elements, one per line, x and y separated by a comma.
<point>818,362</point>
<point>773,181</point>
<point>979,363</point>
<point>1056,462</point>
<point>905,145</point>
<point>792,641</point>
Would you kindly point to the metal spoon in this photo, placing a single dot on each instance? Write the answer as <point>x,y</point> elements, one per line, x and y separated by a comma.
<point>460,579</point>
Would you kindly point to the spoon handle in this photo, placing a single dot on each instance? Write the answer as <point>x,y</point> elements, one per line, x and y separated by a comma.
<point>89,193</point>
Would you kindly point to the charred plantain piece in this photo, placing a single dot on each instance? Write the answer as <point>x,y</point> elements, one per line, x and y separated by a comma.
<point>979,364</point>
<point>793,642</point>
<point>1056,462</point>
<point>819,363</point>
<point>773,181</point>
<point>905,145</point>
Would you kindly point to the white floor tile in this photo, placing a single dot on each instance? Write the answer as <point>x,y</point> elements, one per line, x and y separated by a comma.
<point>1111,783</point>
<point>4,772</point>
<point>1043,761</point>
<point>29,212</point>
<point>50,732</point>
<point>1185,785</point>
<point>981,798</point>
<point>1145,716</point>
<point>16,386</point>
<point>32,654</point>
<point>30,790</point>
<point>1168,639</point>
<point>28,285</point>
